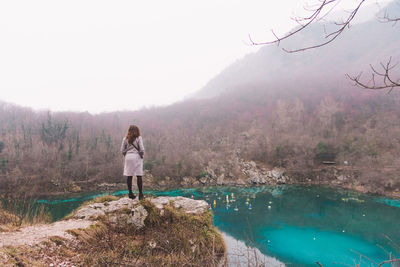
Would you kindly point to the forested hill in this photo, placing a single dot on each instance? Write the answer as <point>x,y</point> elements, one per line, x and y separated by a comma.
<point>273,108</point>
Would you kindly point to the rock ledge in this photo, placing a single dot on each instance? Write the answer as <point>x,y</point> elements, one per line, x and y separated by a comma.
<point>128,211</point>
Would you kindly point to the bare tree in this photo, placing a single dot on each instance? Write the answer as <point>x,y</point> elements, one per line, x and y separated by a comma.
<point>380,78</point>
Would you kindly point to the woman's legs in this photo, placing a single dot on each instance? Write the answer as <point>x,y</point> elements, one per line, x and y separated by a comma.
<point>129,183</point>
<point>140,185</point>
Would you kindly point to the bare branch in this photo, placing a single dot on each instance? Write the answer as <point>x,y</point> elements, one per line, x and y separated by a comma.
<point>386,18</point>
<point>379,79</point>
<point>315,16</point>
<point>388,261</point>
<point>308,20</point>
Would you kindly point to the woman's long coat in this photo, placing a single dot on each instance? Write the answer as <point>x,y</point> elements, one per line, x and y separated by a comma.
<point>133,165</point>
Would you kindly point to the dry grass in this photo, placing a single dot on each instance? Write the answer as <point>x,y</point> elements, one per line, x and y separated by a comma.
<point>7,221</point>
<point>174,239</point>
<point>101,199</point>
<point>18,212</point>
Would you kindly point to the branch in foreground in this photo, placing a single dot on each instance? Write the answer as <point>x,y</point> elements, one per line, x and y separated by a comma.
<point>379,79</point>
<point>315,16</point>
<point>386,18</point>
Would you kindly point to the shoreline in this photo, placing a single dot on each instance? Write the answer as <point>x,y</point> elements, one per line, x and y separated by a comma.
<point>358,189</point>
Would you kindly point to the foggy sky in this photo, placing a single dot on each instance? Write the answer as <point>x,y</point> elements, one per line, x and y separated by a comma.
<point>123,55</point>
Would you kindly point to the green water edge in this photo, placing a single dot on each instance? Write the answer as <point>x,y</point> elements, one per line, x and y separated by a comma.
<point>297,225</point>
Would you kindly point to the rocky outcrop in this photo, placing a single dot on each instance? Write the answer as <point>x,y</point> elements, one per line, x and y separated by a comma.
<point>189,181</point>
<point>94,232</point>
<point>127,211</point>
<point>236,171</point>
<point>258,175</point>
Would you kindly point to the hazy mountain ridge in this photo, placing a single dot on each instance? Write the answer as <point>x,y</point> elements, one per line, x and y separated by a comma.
<point>370,42</point>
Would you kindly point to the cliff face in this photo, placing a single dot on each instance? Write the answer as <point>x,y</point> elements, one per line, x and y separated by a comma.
<point>110,231</point>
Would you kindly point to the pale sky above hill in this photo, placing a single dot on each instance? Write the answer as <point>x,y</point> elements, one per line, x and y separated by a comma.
<point>97,56</point>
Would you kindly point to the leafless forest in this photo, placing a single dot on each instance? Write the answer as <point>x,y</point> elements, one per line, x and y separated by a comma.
<point>275,108</point>
<point>53,150</point>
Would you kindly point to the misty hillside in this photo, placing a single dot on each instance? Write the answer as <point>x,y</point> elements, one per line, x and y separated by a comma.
<point>276,109</point>
<point>363,44</point>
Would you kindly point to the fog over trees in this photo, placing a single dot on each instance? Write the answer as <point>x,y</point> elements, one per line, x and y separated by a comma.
<point>275,108</point>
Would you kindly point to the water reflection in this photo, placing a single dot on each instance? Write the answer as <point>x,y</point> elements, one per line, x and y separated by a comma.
<point>302,225</point>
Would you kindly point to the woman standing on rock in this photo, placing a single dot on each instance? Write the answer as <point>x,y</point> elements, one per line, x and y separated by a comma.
<point>133,150</point>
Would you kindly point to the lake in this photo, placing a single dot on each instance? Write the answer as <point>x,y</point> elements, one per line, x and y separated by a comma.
<point>296,225</point>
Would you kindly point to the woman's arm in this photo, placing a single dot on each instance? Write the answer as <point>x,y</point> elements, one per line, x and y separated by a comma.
<point>124,146</point>
<point>141,146</point>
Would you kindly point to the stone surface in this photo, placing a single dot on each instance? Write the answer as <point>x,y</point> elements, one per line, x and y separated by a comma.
<point>92,211</point>
<point>189,205</point>
<point>34,234</point>
<point>139,214</point>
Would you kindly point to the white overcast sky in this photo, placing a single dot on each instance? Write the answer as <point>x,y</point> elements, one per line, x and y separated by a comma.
<point>123,55</point>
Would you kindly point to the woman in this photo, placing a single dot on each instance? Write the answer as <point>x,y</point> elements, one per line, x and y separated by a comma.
<point>133,150</point>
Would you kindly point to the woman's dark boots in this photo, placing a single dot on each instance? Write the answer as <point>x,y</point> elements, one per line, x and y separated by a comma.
<point>140,185</point>
<point>131,195</point>
<point>129,183</point>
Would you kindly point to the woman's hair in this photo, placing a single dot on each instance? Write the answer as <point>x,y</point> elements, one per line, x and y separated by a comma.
<point>133,133</point>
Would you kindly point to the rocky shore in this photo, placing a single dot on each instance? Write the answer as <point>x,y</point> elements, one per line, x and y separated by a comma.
<point>251,173</point>
<point>239,172</point>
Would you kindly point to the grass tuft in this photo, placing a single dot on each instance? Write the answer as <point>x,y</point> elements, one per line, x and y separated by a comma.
<point>101,199</point>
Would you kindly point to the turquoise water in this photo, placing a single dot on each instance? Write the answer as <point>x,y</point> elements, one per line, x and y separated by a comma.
<point>297,225</point>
